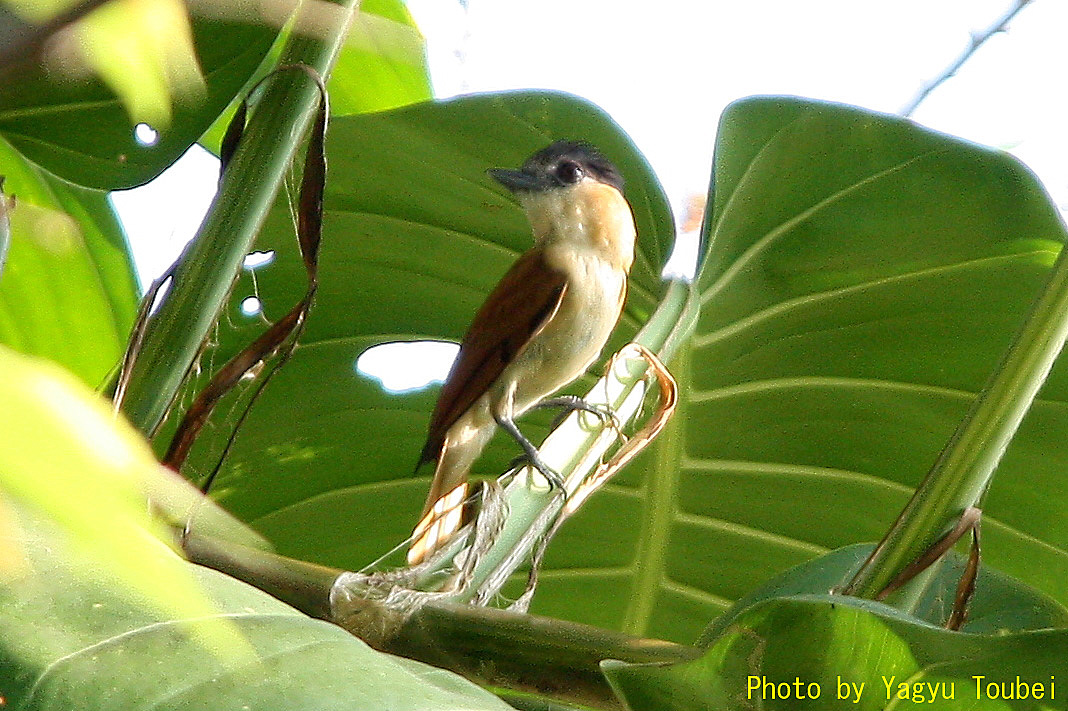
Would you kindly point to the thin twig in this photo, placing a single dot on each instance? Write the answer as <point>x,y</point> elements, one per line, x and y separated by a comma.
<point>977,41</point>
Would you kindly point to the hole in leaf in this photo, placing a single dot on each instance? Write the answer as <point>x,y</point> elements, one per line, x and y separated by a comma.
<point>145,134</point>
<point>403,366</point>
<point>251,306</point>
<point>255,260</point>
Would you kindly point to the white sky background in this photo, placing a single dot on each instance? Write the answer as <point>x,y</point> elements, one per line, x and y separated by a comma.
<point>666,73</point>
<point>666,70</point>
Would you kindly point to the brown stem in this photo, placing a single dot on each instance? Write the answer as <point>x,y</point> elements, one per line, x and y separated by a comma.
<point>966,586</point>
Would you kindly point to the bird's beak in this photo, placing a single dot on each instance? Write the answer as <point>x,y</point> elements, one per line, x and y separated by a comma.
<point>515,179</point>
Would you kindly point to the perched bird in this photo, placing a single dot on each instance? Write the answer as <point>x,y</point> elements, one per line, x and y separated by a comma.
<point>541,327</point>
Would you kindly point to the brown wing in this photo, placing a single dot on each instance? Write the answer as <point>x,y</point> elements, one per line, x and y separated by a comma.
<point>521,304</point>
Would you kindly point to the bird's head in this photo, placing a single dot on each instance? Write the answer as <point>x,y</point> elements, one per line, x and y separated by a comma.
<point>559,166</point>
<point>573,194</point>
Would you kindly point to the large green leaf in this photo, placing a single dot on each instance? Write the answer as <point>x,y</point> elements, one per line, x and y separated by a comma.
<point>66,460</point>
<point>68,292</point>
<point>999,605</point>
<point>861,280</point>
<point>383,65</point>
<point>80,130</point>
<point>833,653</point>
<point>415,236</point>
<point>67,642</point>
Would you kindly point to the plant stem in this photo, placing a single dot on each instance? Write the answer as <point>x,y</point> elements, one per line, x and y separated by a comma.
<point>5,226</point>
<point>527,652</point>
<point>966,465</point>
<point>211,262</point>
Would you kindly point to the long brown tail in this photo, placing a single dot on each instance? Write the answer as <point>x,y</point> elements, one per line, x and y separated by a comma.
<point>443,513</point>
<point>446,516</point>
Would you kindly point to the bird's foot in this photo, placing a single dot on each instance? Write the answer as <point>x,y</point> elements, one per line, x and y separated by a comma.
<point>570,403</point>
<point>551,475</point>
<point>531,453</point>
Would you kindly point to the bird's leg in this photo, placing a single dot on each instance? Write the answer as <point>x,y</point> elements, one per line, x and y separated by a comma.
<point>570,403</point>
<point>530,450</point>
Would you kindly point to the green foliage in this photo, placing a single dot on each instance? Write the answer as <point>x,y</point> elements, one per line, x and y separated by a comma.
<point>80,130</point>
<point>867,303</point>
<point>1001,604</point>
<point>66,642</point>
<point>834,652</point>
<point>68,291</point>
<point>860,280</point>
<point>383,66</point>
<point>91,600</point>
<point>141,49</point>
<point>66,460</point>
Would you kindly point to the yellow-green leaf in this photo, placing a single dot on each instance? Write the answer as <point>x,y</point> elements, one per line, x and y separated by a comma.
<point>66,457</point>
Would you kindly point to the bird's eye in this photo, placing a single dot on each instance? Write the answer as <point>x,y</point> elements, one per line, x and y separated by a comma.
<point>569,172</point>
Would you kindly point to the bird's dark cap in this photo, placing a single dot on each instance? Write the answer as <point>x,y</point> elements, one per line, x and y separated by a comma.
<point>558,165</point>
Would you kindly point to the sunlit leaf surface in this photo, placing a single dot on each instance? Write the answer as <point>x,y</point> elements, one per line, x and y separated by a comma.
<point>69,464</point>
<point>68,291</point>
<point>66,642</point>
<point>81,130</point>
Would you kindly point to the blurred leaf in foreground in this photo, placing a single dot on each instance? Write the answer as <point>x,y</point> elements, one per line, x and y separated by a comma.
<point>142,49</point>
<point>65,458</point>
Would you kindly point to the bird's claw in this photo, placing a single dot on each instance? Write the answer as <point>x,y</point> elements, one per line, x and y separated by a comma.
<point>570,403</point>
<point>555,480</point>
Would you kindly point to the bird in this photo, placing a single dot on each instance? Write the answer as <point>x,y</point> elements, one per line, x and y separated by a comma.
<point>542,326</point>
